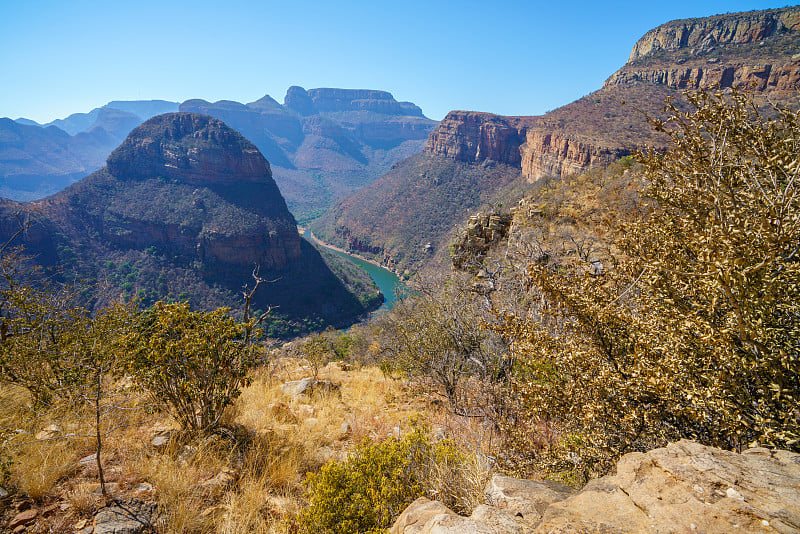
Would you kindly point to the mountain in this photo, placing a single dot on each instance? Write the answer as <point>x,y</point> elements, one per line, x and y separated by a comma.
<point>185,208</point>
<point>143,109</point>
<point>325,143</point>
<point>758,49</point>
<point>38,160</point>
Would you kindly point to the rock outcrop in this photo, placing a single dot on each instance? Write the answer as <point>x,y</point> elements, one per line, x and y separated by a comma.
<point>202,152</point>
<point>719,30</point>
<point>684,487</point>
<point>756,49</point>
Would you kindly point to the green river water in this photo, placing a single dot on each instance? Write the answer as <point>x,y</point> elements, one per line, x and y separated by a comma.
<point>388,282</point>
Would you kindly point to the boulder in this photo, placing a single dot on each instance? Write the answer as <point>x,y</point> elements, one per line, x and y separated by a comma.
<point>417,514</point>
<point>499,520</point>
<point>684,487</point>
<point>526,499</point>
<point>687,487</point>
<point>129,516</point>
<point>23,518</point>
<point>308,386</point>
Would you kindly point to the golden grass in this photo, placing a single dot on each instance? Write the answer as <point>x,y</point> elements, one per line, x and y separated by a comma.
<point>247,480</point>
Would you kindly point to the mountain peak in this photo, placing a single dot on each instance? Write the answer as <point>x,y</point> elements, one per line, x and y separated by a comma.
<point>190,148</point>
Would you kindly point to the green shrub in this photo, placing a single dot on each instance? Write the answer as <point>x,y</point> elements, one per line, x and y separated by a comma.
<point>366,492</point>
<point>195,362</point>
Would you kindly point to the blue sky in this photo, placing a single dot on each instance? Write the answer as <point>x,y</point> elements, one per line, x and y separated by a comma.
<point>507,57</point>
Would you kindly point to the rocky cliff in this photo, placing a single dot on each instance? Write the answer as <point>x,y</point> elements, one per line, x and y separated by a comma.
<point>756,49</point>
<point>684,487</point>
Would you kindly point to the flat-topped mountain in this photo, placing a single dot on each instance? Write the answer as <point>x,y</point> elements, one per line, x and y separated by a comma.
<point>325,143</point>
<point>186,207</point>
<point>759,49</point>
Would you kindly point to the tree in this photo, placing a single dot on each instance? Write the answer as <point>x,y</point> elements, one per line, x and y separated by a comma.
<point>692,329</point>
<point>195,362</point>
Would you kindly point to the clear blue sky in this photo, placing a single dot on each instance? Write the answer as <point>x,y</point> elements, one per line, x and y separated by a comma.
<point>503,56</point>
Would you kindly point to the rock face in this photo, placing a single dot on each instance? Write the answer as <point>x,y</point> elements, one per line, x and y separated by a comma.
<point>739,50</point>
<point>195,149</point>
<point>736,29</point>
<point>752,49</point>
<point>684,487</point>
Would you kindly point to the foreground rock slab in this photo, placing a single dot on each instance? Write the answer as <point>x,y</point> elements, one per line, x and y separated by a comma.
<point>126,517</point>
<point>684,487</point>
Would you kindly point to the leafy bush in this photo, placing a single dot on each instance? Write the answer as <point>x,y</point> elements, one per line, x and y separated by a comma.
<point>366,492</point>
<point>692,328</point>
<point>195,362</point>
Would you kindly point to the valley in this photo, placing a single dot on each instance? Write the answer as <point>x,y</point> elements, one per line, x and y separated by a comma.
<point>335,315</point>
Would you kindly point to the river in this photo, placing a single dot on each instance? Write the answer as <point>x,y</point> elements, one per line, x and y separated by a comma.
<point>388,283</point>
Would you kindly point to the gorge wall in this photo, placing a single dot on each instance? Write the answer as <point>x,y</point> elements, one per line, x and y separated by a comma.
<point>755,49</point>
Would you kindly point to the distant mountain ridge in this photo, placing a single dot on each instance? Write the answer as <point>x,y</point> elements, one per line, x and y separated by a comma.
<point>322,143</point>
<point>39,160</point>
<point>185,209</point>
<point>325,143</point>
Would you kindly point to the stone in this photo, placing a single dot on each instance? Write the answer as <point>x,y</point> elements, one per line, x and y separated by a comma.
<point>500,521</point>
<point>527,499</point>
<point>417,514</point>
<point>3,493</point>
<point>684,487</point>
<point>144,487</point>
<point>684,484</point>
<point>308,386</point>
<point>130,516</point>
<point>161,441</point>
<point>49,432</point>
<point>23,518</point>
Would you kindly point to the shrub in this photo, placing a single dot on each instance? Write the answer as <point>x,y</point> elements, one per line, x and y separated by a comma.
<point>692,329</point>
<point>366,492</point>
<point>195,362</point>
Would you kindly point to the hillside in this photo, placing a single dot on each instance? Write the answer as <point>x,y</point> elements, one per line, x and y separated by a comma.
<point>185,209</point>
<point>756,49</point>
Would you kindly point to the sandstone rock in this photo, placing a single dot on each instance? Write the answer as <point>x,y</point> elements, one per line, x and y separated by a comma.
<point>308,386</point>
<point>417,514</point>
<point>499,521</point>
<point>161,441</point>
<point>130,516</point>
<point>3,493</point>
<point>23,518</point>
<point>686,486</point>
<point>455,524</point>
<point>49,432</point>
<point>527,499</point>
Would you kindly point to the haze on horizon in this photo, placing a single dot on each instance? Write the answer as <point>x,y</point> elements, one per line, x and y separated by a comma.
<point>510,57</point>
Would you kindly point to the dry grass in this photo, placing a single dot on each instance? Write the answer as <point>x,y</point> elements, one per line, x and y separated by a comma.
<point>249,479</point>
